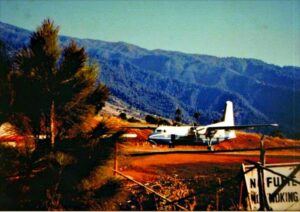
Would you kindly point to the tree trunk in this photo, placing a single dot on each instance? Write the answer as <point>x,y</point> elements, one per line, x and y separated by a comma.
<point>52,123</point>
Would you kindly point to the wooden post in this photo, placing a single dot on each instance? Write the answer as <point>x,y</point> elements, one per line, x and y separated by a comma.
<point>219,190</point>
<point>262,151</point>
<point>115,158</point>
<point>241,195</point>
<point>217,200</point>
<point>263,202</point>
<point>52,123</point>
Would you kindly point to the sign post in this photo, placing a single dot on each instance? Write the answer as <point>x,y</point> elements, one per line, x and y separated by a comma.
<point>281,186</point>
<point>272,186</point>
<point>264,205</point>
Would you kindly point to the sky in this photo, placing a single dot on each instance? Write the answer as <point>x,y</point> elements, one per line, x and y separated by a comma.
<point>267,29</point>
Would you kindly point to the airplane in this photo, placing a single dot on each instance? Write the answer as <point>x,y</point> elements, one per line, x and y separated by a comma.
<point>208,135</point>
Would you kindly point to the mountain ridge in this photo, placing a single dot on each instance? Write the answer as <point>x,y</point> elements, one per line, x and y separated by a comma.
<point>153,50</point>
<point>159,81</point>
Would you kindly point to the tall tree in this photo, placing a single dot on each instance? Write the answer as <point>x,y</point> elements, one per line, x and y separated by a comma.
<point>55,90</point>
<point>4,85</point>
<point>197,117</point>
<point>178,115</point>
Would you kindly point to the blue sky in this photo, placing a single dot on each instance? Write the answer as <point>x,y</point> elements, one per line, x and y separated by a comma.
<point>267,30</point>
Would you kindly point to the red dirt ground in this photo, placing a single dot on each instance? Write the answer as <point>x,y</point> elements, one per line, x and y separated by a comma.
<point>242,141</point>
<point>151,167</point>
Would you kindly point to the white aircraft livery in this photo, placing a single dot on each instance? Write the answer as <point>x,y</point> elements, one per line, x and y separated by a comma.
<point>208,135</point>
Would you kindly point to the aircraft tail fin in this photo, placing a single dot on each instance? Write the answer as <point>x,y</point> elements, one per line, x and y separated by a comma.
<point>228,114</point>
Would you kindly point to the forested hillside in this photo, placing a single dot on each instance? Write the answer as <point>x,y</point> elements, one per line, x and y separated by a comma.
<point>158,81</point>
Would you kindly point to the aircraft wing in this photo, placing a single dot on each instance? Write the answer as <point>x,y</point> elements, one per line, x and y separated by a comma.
<point>141,127</point>
<point>239,127</point>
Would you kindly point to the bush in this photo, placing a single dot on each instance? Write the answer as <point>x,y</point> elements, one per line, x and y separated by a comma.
<point>123,116</point>
<point>133,120</point>
<point>66,179</point>
<point>162,121</point>
<point>156,120</point>
<point>277,133</point>
<point>151,119</point>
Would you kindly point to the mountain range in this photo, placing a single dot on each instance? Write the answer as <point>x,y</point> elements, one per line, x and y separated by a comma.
<point>159,81</point>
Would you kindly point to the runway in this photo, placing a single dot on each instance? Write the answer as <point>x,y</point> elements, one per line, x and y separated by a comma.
<point>153,165</point>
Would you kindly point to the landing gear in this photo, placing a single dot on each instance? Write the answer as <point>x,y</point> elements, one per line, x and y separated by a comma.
<point>210,147</point>
<point>172,141</point>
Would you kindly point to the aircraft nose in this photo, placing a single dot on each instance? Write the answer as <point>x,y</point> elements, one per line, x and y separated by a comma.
<point>151,136</point>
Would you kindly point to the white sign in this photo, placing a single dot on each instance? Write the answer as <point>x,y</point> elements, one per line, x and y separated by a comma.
<point>282,194</point>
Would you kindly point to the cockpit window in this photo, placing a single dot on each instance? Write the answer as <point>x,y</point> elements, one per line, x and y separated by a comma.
<point>159,131</point>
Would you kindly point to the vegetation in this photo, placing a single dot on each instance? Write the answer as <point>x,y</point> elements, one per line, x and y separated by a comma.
<point>178,115</point>
<point>54,90</point>
<point>195,191</point>
<point>133,120</point>
<point>123,116</point>
<point>4,86</point>
<point>150,119</point>
<point>51,92</point>
<point>162,121</point>
<point>156,120</point>
<point>197,117</point>
<point>75,177</point>
<point>183,79</point>
<point>277,133</point>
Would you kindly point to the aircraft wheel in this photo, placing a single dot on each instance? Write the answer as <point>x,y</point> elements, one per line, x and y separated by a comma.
<point>210,148</point>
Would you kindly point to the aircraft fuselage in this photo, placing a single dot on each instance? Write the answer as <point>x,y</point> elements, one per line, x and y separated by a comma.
<point>189,134</point>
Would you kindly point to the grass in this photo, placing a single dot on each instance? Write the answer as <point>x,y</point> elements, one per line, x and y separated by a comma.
<point>76,175</point>
<point>194,190</point>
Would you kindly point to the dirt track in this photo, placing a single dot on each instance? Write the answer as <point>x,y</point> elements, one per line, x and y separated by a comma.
<point>151,167</point>
<point>185,165</point>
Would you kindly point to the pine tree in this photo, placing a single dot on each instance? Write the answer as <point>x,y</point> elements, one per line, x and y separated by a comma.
<point>178,115</point>
<point>4,85</point>
<point>197,117</point>
<point>54,90</point>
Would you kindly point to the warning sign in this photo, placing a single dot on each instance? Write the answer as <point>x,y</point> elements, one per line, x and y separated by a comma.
<point>281,193</point>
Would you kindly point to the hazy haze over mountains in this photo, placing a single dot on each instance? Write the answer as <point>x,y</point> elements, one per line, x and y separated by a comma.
<point>159,81</point>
